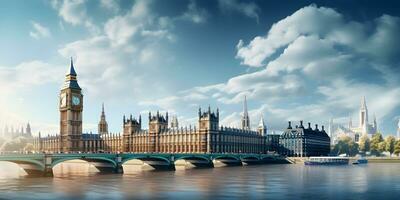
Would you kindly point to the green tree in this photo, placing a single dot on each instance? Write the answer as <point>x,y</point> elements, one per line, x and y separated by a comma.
<point>390,143</point>
<point>376,139</point>
<point>345,145</point>
<point>381,147</point>
<point>365,143</point>
<point>397,148</point>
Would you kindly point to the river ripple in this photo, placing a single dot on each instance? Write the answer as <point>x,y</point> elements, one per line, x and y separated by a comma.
<point>371,181</point>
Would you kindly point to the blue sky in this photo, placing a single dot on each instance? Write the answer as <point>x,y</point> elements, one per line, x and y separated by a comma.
<point>307,60</point>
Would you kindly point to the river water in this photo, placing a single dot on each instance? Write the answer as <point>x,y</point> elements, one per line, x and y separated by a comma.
<point>279,181</point>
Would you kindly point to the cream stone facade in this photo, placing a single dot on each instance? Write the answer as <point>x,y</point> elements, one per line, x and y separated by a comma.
<point>207,137</point>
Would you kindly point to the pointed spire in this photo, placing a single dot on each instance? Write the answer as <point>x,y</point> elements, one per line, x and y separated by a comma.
<point>199,112</point>
<point>70,78</point>
<point>102,107</point>
<point>375,124</point>
<point>245,112</point>
<point>71,69</point>
<point>350,122</point>
<point>363,103</point>
<point>261,123</point>
<point>398,125</point>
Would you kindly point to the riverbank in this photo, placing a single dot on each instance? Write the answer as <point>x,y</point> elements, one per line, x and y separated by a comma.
<point>300,160</point>
<point>383,159</point>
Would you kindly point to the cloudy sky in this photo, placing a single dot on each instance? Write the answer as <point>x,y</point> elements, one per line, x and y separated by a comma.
<point>294,60</point>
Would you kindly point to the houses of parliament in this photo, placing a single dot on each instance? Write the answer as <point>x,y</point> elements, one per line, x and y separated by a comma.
<point>162,135</point>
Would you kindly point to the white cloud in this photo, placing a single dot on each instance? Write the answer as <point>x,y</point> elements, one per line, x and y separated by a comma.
<point>123,28</point>
<point>249,9</point>
<point>28,74</point>
<point>39,31</point>
<point>316,65</point>
<point>15,81</point>
<point>74,12</point>
<point>131,45</point>
<point>195,14</point>
<point>111,5</point>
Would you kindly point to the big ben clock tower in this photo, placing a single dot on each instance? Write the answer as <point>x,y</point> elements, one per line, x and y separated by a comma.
<point>71,106</point>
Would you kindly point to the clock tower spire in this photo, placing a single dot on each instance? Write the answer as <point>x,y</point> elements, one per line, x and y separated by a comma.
<point>71,107</point>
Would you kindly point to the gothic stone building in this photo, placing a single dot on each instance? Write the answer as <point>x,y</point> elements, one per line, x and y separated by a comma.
<point>304,142</point>
<point>207,137</point>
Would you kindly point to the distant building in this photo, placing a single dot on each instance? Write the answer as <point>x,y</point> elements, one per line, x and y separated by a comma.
<point>336,131</point>
<point>272,143</point>
<point>304,142</point>
<point>174,122</point>
<point>262,129</point>
<point>398,130</point>
<point>103,125</point>
<point>11,132</point>
<point>245,116</point>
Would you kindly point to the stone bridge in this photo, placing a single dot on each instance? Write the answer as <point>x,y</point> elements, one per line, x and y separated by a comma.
<point>42,164</point>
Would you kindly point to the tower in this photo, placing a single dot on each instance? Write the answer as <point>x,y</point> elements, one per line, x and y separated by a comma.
<point>262,129</point>
<point>350,123</point>
<point>174,122</point>
<point>157,124</point>
<point>330,128</point>
<point>130,127</point>
<point>28,131</point>
<point>245,116</point>
<point>103,126</point>
<point>364,116</point>
<point>208,120</point>
<point>375,125</point>
<point>398,130</point>
<point>71,107</point>
<point>208,127</point>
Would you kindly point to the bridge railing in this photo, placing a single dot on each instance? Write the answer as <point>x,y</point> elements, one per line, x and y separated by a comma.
<point>122,153</point>
<point>18,152</point>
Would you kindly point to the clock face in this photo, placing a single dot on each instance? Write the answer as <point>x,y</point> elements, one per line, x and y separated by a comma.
<point>76,100</point>
<point>63,100</point>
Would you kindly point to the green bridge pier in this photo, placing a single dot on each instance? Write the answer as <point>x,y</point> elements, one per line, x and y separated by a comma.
<point>43,164</point>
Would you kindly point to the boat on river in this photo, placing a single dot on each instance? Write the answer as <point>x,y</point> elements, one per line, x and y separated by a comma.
<point>327,161</point>
<point>360,161</point>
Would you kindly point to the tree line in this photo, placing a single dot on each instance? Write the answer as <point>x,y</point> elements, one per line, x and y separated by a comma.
<point>376,145</point>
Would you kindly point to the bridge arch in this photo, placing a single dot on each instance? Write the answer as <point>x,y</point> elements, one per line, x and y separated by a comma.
<point>250,157</point>
<point>146,158</point>
<point>84,158</point>
<point>231,157</point>
<point>40,165</point>
<point>31,167</point>
<point>200,157</point>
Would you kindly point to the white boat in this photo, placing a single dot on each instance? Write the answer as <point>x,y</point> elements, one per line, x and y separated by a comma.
<point>327,161</point>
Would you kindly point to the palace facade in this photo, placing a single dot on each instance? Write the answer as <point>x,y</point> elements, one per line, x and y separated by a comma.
<point>161,136</point>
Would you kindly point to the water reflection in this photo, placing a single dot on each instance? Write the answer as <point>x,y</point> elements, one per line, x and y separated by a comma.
<point>81,181</point>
